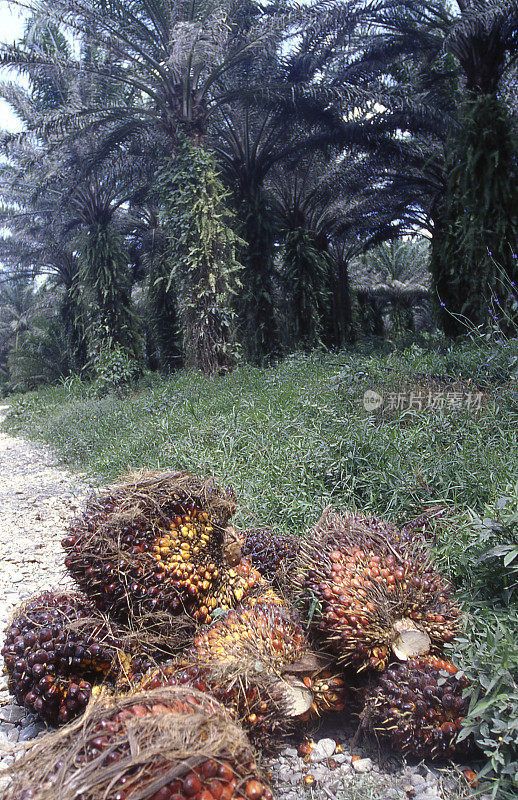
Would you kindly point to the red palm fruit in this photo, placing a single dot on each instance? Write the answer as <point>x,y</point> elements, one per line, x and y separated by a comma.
<point>419,706</point>
<point>57,648</point>
<point>166,743</point>
<point>369,594</point>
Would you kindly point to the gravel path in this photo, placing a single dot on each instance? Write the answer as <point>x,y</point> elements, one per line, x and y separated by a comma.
<point>37,498</point>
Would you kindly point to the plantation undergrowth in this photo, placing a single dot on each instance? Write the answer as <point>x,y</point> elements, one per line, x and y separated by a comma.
<point>295,438</point>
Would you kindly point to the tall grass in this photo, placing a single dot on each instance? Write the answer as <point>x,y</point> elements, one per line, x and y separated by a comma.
<point>294,438</point>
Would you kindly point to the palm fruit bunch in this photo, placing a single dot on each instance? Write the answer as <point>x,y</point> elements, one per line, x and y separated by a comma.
<point>369,593</point>
<point>419,705</point>
<point>257,662</point>
<point>270,552</point>
<point>166,744</point>
<point>161,542</point>
<point>57,648</point>
<point>265,631</point>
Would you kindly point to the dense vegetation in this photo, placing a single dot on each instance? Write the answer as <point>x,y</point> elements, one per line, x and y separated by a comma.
<point>195,183</point>
<point>223,221</point>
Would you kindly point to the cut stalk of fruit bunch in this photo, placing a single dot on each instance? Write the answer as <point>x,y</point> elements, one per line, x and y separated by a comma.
<point>419,706</point>
<point>370,594</point>
<point>58,647</point>
<point>160,542</point>
<point>166,744</point>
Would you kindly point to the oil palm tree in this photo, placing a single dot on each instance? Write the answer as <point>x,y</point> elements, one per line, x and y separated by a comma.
<point>397,274</point>
<point>246,144</point>
<point>18,308</point>
<point>65,214</point>
<point>311,211</point>
<point>37,242</point>
<point>182,63</point>
<point>63,224</point>
<point>479,229</point>
<point>442,67</point>
<point>157,300</point>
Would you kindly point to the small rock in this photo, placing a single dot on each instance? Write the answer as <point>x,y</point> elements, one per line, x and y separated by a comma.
<point>363,765</point>
<point>13,713</point>
<point>322,750</point>
<point>31,731</point>
<point>284,775</point>
<point>320,773</point>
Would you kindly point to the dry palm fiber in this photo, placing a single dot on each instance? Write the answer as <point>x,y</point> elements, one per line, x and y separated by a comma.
<point>258,663</point>
<point>418,707</point>
<point>57,648</point>
<point>159,542</point>
<point>369,593</point>
<point>271,552</point>
<point>172,743</point>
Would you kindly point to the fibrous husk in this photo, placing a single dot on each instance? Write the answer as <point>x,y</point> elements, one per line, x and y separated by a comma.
<point>159,542</point>
<point>271,552</point>
<point>133,747</point>
<point>147,492</point>
<point>257,662</point>
<point>369,593</point>
<point>58,646</point>
<point>418,707</point>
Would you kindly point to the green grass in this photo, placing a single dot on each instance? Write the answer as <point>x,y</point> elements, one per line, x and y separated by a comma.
<point>295,438</point>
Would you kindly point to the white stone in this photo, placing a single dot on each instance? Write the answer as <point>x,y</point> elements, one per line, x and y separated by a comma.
<point>363,765</point>
<point>322,750</point>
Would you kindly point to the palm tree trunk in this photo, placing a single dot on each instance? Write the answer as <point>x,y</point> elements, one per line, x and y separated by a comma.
<point>107,294</point>
<point>202,256</point>
<point>255,301</point>
<point>475,248</point>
